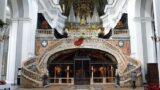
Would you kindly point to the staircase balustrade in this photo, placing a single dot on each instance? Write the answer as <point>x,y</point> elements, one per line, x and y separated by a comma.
<point>126,77</point>
<point>33,77</point>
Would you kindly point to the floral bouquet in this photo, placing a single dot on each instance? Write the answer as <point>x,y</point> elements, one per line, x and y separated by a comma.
<point>2,82</point>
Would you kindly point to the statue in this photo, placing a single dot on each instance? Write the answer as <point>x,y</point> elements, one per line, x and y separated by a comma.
<point>82,21</point>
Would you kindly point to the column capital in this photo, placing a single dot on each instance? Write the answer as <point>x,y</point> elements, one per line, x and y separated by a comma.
<point>143,19</point>
<point>21,19</point>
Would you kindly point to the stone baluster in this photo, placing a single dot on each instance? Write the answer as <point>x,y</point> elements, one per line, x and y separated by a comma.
<point>92,74</point>
<point>55,74</point>
<point>68,74</point>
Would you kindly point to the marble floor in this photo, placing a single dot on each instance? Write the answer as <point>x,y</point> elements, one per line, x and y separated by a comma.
<point>71,88</point>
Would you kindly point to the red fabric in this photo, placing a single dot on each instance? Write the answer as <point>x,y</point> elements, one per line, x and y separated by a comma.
<point>2,82</point>
<point>78,42</point>
<point>152,87</point>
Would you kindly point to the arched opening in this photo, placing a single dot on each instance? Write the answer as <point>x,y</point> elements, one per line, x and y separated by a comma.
<point>80,65</point>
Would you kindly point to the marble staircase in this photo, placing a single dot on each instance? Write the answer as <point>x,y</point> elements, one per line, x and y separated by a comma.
<point>34,68</point>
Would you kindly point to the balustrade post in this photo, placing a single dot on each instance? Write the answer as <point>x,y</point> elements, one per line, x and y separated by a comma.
<point>72,81</point>
<point>55,74</point>
<point>92,72</point>
<point>60,80</point>
<point>67,74</point>
<point>91,80</point>
<point>104,80</point>
<point>92,75</point>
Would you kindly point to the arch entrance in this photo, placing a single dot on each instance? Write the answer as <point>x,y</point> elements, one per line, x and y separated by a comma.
<point>80,66</point>
<point>88,64</point>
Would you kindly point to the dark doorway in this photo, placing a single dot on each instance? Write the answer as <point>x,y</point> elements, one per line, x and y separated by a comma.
<point>82,72</point>
<point>79,66</point>
<point>152,74</point>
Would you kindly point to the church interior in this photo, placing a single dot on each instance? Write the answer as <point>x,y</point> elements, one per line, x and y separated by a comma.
<point>79,44</point>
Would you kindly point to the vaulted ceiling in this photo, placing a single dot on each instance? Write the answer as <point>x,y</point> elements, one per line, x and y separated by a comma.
<point>83,4</point>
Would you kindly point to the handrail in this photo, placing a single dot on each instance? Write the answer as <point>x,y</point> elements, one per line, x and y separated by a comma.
<point>127,76</point>
<point>38,83</point>
<point>33,76</point>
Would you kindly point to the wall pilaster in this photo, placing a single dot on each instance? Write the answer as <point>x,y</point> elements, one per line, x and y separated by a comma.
<point>156,7</point>
<point>12,52</point>
<point>3,4</point>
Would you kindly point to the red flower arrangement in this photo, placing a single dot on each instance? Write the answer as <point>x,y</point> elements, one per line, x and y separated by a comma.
<point>2,82</point>
<point>79,41</point>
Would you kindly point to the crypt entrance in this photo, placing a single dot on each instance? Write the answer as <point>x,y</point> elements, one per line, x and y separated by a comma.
<point>82,67</point>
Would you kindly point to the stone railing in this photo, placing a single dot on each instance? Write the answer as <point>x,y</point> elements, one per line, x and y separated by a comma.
<point>30,77</point>
<point>58,81</point>
<point>93,81</point>
<point>30,61</point>
<point>120,33</point>
<point>84,34</point>
<point>126,77</point>
<point>102,80</point>
<point>44,33</point>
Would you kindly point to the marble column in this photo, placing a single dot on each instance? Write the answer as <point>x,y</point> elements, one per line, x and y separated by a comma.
<point>141,31</point>
<point>1,57</point>
<point>3,4</point>
<point>26,48</point>
<point>19,46</point>
<point>12,52</point>
<point>156,7</point>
